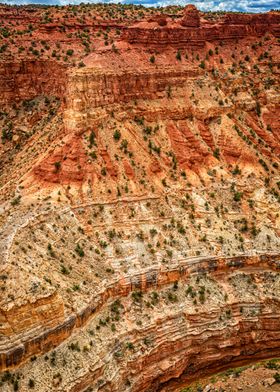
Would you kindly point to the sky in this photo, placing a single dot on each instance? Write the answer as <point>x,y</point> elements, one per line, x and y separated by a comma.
<point>203,5</point>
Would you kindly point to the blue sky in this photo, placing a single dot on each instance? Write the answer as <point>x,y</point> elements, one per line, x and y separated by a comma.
<point>204,5</point>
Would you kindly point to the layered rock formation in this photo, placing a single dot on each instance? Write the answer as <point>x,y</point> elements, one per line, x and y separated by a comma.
<point>26,80</point>
<point>139,196</point>
<point>191,17</point>
<point>195,32</point>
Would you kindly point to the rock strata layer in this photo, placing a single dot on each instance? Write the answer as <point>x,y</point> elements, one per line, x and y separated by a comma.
<point>139,196</point>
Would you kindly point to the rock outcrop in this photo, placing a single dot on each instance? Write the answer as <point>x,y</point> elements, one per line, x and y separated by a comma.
<point>251,329</point>
<point>139,196</point>
<point>190,32</point>
<point>191,17</point>
<point>26,80</point>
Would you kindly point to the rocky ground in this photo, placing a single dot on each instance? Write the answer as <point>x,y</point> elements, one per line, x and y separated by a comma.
<point>139,197</point>
<point>260,377</point>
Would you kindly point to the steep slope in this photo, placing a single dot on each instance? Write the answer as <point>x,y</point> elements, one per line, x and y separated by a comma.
<point>139,197</point>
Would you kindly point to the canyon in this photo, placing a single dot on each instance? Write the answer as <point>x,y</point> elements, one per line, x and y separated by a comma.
<point>139,196</point>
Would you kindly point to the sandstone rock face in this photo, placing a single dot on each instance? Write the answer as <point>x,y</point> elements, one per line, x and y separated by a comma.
<point>191,17</point>
<point>28,79</point>
<point>139,197</point>
<point>259,331</point>
<point>193,34</point>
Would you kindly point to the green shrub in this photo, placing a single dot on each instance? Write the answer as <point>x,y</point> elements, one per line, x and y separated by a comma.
<point>79,250</point>
<point>237,196</point>
<point>117,135</point>
<point>178,55</point>
<point>70,52</point>
<point>31,383</point>
<point>202,64</point>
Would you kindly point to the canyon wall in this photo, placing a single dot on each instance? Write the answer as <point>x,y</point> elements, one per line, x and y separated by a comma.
<point>233,27</point>
<point>27,79</point>
<point>90,89</point>
<point>140,217</point>
<point>24,342</point>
